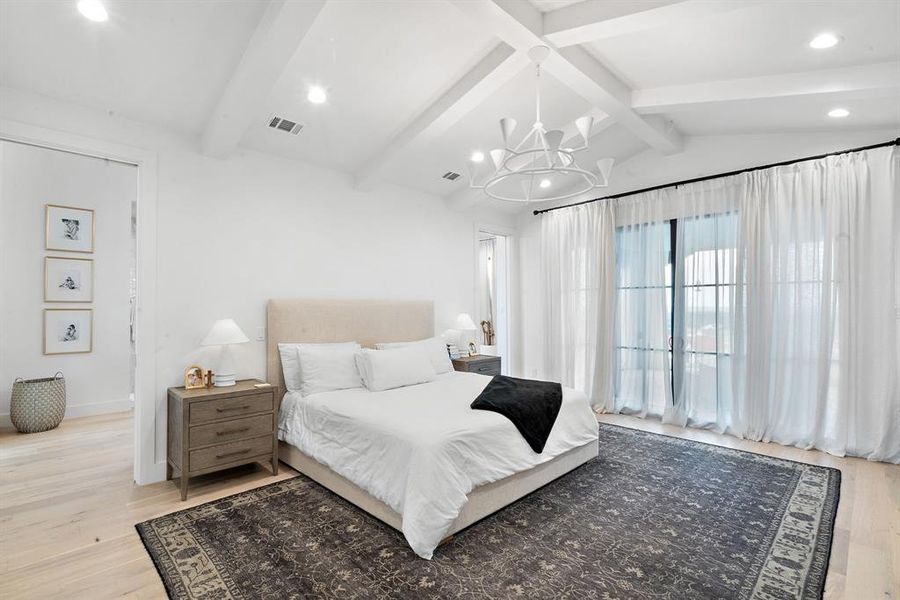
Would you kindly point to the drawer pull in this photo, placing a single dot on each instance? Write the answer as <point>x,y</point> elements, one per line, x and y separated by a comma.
<point>230,431</point>
<point>237,453</point>
<point>244,407</point>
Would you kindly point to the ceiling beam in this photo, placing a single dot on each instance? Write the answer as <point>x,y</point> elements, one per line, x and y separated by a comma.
<point>279,33</point>
<point>500,65</point>
<point>520,25</point>
<point>865,81</point>
<point>592,20</point>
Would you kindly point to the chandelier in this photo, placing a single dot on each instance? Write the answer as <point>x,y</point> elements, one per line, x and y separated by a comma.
<point>537,165</point>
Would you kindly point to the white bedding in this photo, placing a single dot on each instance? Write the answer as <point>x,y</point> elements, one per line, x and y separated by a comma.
<point>421,449</point>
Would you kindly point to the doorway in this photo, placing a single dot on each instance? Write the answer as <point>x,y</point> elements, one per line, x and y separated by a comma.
<point>492,295</point>
<point>149,413</point>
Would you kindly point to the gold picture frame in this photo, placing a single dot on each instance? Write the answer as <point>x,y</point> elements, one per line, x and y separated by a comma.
<point>51,287</point>
<point>71,333</point>
<point>193,378</point>
<point>68,237</point>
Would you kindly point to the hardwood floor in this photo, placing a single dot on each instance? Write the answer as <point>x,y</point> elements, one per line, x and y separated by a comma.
<point>68,508</point>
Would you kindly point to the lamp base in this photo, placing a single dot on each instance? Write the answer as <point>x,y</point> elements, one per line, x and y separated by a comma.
<point>220,380</point>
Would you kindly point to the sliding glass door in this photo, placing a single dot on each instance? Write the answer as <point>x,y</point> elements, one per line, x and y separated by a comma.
<point>643,329</point>
<point>704,290</point>
<point>675,283</point>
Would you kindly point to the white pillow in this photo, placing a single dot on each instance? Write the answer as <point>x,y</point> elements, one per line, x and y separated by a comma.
<point>290,361</point>
<point>435,348</point>
<point>387,369</point>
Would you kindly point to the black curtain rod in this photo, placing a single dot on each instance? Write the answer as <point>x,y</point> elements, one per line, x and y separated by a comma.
<point>895,142</point>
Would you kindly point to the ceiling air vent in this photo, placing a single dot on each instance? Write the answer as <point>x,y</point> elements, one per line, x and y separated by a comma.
<point>282,124</point>
<point>451,175</point>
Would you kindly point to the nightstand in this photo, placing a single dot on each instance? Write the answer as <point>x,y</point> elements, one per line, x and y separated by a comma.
<point>482,364</point>
<point>217,428</point>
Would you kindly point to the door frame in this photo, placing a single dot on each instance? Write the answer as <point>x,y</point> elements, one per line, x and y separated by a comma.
<point>147,411</point>
<point>509,234</point>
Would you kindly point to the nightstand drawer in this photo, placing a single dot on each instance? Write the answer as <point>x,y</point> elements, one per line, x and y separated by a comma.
<point>227,431</point>
<point>224,454</point>
<point>487,368</point>
<point>225,408</point>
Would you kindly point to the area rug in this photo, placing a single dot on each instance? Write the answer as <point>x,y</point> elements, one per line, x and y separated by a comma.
<point>653,517</point>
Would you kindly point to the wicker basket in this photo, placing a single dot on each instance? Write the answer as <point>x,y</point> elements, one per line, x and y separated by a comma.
<point>38,404</point>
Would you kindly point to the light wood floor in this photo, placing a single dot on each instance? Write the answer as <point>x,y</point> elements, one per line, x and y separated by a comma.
<point>68,508</point>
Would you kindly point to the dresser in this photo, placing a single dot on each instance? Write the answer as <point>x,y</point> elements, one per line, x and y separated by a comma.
<point>482,364</point>
<point>217,428</point>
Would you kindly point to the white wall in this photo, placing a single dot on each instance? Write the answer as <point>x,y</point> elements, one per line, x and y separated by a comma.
<point>30,178</point>
<point>702,155</point>
<point>233,233</point>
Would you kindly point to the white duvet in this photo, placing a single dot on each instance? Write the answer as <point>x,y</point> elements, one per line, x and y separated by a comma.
<point>421,449</point>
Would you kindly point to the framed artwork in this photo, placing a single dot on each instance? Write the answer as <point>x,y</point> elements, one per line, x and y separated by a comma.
<point>69,229</point>
<point>68,331</point>
<point>193,378</point>
<point>68,279</point>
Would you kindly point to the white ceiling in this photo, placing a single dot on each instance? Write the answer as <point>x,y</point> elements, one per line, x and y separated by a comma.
<point>415,87</point>
<point>375,77</point>
<point>161,62</point>
<point>761,39</point>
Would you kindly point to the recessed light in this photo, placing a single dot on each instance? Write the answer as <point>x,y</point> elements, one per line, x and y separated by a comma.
<point>545,183</point>
<point>93,10</point>
<point>477,156</point>
<point>838,113</point>
<point>316,95</point>
<point>824,40</point>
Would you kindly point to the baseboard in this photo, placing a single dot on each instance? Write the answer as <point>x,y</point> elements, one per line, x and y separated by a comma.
<point>84,410</point>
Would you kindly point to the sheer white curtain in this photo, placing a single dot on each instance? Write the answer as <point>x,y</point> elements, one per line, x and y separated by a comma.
<point>578,265</point>
<point>780,288</point>
<point>815,312</point>
<point>642,377</point>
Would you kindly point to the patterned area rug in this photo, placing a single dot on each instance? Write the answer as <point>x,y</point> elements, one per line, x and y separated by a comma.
<point>653,517</point>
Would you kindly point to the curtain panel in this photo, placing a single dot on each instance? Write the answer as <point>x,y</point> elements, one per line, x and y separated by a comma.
<point>763,304</point>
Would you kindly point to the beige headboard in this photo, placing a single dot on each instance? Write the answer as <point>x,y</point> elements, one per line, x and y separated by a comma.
<point>363,321</point>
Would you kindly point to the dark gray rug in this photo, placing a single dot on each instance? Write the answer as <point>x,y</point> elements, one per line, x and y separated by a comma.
<point>652,517</point>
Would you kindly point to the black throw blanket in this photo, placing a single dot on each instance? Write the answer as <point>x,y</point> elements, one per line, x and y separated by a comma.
<point>531,405</point>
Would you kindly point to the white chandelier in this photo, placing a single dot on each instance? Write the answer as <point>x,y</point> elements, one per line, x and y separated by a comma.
<point>538,163</point>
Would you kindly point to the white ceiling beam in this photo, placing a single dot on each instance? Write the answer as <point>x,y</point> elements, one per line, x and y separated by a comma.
<point>499,66</point>
<point>520,25</point>
<point>279,33</point>
<point>865,81</point>
<point>591,20</point>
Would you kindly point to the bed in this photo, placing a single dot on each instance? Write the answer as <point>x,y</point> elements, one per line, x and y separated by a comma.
<point>417,451</point>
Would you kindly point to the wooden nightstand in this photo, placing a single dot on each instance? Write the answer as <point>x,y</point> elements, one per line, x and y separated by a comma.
<point>484,365</point>
<point>211,429</point>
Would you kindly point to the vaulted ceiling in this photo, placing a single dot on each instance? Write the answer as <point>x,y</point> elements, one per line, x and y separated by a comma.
<point>415,87</point>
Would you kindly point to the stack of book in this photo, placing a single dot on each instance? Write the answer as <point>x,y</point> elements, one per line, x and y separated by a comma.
<point>454,351</point>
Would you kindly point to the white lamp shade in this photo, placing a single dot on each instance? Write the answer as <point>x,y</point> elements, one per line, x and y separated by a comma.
<point>224,331</point>
<point>497,155</point>
<point>605,165</point>
<point>554,138</point>
<point>465,322</point>
<point>584,125</point>
<point>507,126</point>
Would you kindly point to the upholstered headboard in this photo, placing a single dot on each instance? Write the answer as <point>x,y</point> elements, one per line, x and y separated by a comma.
<point>365,321</point>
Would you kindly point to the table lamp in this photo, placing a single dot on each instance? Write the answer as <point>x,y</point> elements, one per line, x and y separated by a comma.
<point>467,329</point>
<point>224,333</point>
